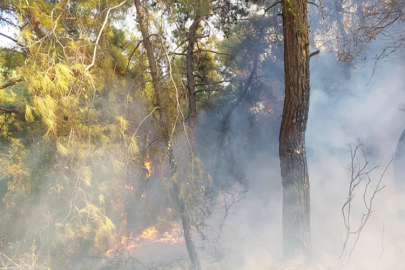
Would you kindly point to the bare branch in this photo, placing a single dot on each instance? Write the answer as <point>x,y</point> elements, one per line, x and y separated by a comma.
<point>10,38</point>
<point>211,83</point>
<point>206,90</point>
<point>132,54</point>
<point>312,3</point>
<point>99,34</point>
<point>359,174</point>
<point>211,51</point>
<point>270,7</point>
<point>314,53</point>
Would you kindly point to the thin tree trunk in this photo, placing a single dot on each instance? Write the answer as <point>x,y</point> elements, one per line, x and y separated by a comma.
<point>192,104</point>
<point>399,165</point>
<point>166,134</point>
<point>293,160</point>
<point>224,124</point>
<point>188,237</point>
<point>399,173</point>
<point>141,15</point>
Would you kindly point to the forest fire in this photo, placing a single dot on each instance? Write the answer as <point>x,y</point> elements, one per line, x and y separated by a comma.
<point>149,166</point>
<point>149,235</point>
<point>173,236</point>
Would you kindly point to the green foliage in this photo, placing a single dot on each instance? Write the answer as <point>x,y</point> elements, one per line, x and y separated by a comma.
<point>80,120</point>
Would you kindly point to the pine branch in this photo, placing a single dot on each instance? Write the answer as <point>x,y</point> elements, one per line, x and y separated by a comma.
<point>10,110</point>
<point>10,83</point>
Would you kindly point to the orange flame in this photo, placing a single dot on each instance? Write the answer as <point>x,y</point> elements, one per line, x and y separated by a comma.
<point>151,234</point>
<point>149,166</point>
<point>131,188</point>
<point>126,243</point>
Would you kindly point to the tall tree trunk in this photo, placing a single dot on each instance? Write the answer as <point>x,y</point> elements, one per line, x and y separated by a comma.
<point>293,160</point>
<point>192,104</point>
<point>166,133</point>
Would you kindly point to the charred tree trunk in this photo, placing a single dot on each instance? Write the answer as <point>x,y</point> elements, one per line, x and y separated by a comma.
<point>192,104</point>
<point>293,161</point>
<point>165,130</point>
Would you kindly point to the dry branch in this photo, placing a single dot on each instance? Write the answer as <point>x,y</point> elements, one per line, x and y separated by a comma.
<point>360,174</point>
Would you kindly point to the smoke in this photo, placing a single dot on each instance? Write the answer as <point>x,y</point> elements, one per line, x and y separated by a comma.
<point>347,106</point>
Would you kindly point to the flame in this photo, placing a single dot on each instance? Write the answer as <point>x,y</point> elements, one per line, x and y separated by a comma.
<point>173,236</point>
<point>131,188</point>
<point>126,243</point>
<point>150,233</point>
<point>149,166</point>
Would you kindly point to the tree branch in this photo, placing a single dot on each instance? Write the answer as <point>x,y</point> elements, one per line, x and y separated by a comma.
<point>99,34</point>
<point>10,38</point>
<point>132,54</point>
<point>10,110</point>
<point>314,53</point>
<point>10,83</point>
<point>206,91</point>
<point>270,7</point>
<point>211,51</point>
<point>312,3</point>
<point>210,83</point>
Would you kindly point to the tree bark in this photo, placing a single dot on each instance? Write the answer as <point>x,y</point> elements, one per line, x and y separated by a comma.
<point>293,161</point>
<point>166,132</point>
<point>143,25</point>
<point>192,104</point>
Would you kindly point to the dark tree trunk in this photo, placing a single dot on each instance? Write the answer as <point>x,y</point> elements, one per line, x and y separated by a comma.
<point>165,130</point>
<point>293,161</point>
<point>191,85</point>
